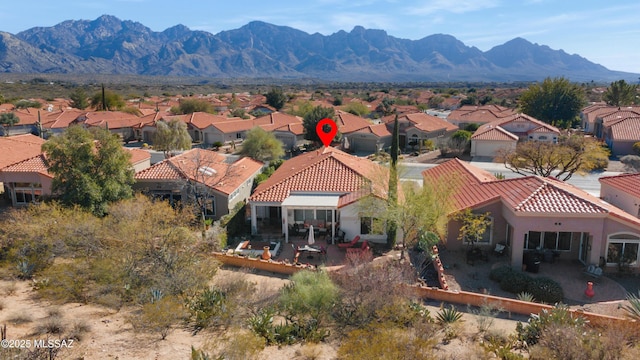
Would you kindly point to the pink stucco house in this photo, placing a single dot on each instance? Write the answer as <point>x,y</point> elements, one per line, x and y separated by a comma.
<point>536,214</point>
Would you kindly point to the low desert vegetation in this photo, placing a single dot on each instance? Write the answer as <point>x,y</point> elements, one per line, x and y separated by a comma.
<point>150,261</point>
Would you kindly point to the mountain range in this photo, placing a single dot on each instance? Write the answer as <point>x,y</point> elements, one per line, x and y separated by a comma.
<point>108,45</point>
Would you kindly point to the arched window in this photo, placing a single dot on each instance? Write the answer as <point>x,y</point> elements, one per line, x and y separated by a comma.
<point>622,249</point>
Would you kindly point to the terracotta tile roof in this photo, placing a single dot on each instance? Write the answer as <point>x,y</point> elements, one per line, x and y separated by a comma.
<point>60,119</point>
<point>18,148</point>
<point>525,195</point>
<point>493,133</point>
<point>551,199</point>
<point>629,183</point>
<point>542,129</point>
<point>138,155</point>
<point>29,116</point>
<point>428,123</point>
<point>36,164</point>
<point>618,115</point>
<point>479,114</point>
<point>112,119</point>
<point>202,120</point>
<point>596,112</point>
<point>379,130</point>
<point>328,170</point>
<point>205,167</point>
<point>626,129</point>
<point>348,123</point>
<point>495,130</point>
<point>280,122</point>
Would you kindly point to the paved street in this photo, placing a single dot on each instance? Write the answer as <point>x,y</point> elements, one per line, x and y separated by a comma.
<point>589,183</point>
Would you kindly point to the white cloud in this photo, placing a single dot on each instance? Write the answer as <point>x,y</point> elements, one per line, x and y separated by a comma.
<point>458,7</point>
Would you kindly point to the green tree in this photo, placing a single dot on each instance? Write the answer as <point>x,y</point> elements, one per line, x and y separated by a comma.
<point>357,108</point>
<point>392,226</point>
<point>556,101</point>
<point>189,106</point>
<point>90,169</point>
<point>620,93</point>
<point>312,118</point>
<point>574,154</point>
<point>8,119</point>
<point>276,98</point>
<point>261,145</point>
<point>171,136</point>
<point>300,108</point>
<point>419,209</point>
<point>79,99</point>
<point>386,106</point>
<point>473,226</point>
<point>107,100</point>
<point>24,104</point>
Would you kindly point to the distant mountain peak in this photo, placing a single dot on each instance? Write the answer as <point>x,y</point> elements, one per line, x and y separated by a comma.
<point>108,45</point>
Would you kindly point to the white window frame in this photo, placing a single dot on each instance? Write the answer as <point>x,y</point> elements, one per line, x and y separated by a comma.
<point>633,239</point>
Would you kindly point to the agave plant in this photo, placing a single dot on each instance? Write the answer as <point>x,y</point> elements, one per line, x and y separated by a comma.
<point>156,295</point>
<point>633,309</point>
<point>525,296</point>
<point>25,269</point>
<point>448,316</point>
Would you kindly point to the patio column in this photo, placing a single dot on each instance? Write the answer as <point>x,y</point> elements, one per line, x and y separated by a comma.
<point>333,226</point>
<point>285,223</point>
<point>254,220</point>
<point>517,247</point>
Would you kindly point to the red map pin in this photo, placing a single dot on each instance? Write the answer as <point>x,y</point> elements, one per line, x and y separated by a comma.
<point>326,137</point>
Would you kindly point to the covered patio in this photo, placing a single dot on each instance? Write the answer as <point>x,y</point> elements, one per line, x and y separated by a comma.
<point>297,213</point>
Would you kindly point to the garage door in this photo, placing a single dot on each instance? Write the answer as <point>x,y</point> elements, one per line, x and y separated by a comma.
<point>369,145</point>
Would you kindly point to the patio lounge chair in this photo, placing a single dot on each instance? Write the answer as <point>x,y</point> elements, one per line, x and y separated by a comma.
<point>593,271</point>
<point>361,249</point>
<point>350,244</point>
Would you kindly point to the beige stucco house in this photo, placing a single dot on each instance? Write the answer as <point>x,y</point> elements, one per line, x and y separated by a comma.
<point>542,215</point>
<point>320,188</point>
<point>200,173</point>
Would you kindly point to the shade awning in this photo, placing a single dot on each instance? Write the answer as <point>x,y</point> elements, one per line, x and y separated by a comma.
<point>312,201</point>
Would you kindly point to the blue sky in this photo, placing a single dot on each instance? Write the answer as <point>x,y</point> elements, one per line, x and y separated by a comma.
<point>605,32</point>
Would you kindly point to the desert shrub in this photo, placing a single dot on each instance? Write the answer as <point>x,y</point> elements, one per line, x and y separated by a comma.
<point>567,342</point>
<point>499,273</point>
<point>501,346</point>
<point>560,316</point>
<point>65,282</point>
<point>261,323</point>
<point>515,282</point>
<point>402,312</point>
<point>311,295</point>
<point>160,316</point>
<point>78,330</point>
<point>485,315</point>
<point>636,147</point>
<point>51,325</point>
<point>18,318</point>
<point>367,289</point>
<point>448,315</point>
<point>286,333</point>
<point>208,307</point>
<point>545,290</point>
<point>241,344</point>
<point>633,308</point>
<point>386,341</point>
<point>31,255</point>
